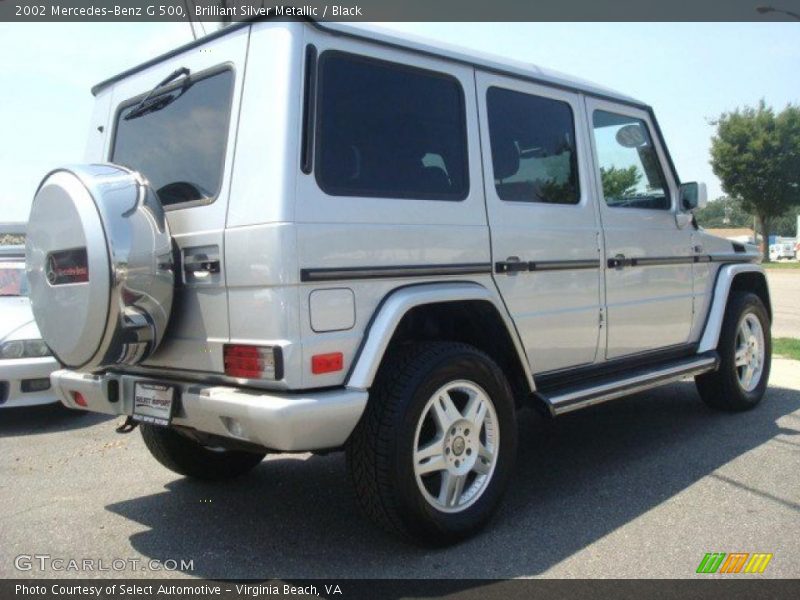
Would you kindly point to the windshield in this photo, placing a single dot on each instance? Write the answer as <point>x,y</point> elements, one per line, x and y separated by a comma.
<point>179,143</point>
<point>13,281</point>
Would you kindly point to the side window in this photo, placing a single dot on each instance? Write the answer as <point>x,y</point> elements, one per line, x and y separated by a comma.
<point>629,168</point>
<point>533,148</point>
<point>390,131</point>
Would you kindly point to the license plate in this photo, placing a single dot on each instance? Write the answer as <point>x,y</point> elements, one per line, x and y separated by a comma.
<point>153,402</point>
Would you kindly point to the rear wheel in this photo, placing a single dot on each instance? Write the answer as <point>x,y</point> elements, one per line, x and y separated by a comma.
<point>433,453</point>
<point>187,457</point>
<point>745,350</point>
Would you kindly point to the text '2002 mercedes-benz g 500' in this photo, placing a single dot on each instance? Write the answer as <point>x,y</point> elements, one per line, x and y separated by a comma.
<point>295,236</point>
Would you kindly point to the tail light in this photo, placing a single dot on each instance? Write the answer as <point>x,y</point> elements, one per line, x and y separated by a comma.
<point>79,399</point>
<point>253,362</point>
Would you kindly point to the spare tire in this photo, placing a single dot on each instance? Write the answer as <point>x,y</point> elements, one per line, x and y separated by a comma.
<point>100,266</point>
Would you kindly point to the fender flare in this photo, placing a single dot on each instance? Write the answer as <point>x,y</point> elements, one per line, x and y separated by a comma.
<point>395,306</point>
<point>716,313</point>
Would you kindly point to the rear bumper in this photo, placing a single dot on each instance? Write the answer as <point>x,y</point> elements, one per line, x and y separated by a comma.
<point>17,374</point>
<point>286,422</point>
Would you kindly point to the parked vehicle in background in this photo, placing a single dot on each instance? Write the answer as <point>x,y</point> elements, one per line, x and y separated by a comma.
<point>411,244</point>
<point>12,234</point>
<point>25,360</point>
<point>782,251</point>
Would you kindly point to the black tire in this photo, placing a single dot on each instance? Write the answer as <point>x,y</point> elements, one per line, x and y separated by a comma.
<point>187,457</point>
<point>721,389</point>
<point>380,450</point>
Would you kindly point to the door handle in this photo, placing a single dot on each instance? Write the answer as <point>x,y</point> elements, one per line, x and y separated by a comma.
<point>618,262</point>
<point>511,265</point>
<point>201,266</point>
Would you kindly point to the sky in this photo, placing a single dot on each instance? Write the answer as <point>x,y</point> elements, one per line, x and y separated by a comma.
<point>689,72</point>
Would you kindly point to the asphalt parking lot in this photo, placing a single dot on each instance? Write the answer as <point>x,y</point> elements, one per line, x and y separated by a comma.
<point>641,487</point>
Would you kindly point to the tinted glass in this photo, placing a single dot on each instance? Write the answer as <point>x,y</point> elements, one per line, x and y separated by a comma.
<point>390,131</point>
<point>179,145</point>
<point>533,148</point>
<point>629,167</point>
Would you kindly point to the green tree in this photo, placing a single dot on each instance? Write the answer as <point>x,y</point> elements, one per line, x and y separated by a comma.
<point>786,225</point>
<point>756,155</point>
<point>618,183</point>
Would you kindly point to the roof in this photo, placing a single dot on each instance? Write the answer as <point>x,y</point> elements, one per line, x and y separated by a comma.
<point>489,62</point>
<point>412,43</point>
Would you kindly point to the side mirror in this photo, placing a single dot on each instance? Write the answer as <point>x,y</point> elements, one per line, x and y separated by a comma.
<point>693,196</point>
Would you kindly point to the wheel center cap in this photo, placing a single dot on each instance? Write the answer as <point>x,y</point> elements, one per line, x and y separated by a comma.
<point>458,446</point>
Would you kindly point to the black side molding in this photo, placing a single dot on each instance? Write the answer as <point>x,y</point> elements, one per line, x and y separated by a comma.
<point>545,265</point>
<point>397,271</point>
<point>620,262</point>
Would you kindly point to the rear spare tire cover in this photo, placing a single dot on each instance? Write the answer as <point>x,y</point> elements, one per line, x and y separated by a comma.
<point>100,266</point>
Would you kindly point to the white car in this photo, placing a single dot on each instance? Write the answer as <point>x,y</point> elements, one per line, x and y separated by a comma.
<point>25,360</point>
<point>782,250</point>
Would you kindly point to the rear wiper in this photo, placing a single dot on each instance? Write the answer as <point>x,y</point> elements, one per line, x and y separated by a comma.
<point>148,106</point>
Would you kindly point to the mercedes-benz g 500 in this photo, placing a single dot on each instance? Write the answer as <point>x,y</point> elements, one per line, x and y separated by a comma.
<point>295,236</point>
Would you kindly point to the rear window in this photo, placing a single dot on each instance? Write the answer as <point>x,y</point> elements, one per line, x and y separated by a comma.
<point>178,142</point>
<point>388,130</point>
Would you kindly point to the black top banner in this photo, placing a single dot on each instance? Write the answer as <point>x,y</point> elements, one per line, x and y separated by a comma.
<point>399,10</point>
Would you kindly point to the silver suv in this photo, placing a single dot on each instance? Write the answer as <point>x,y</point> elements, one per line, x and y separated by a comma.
<point>293,236</point>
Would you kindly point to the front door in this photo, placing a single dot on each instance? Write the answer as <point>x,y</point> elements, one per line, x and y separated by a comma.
<point>648,250</point>
<point>544,226</point>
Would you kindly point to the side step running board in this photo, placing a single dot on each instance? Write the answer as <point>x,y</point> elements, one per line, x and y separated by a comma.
<point>580,395</point>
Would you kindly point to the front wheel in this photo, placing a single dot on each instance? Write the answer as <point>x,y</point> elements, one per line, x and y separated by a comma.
<point>434,451</point>
<point>745,351</point>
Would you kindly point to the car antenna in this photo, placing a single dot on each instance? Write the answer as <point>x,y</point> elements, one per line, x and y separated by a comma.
<point>197,27</point>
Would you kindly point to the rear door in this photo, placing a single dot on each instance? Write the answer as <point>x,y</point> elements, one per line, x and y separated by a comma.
<point>544,226</point>
<point>648,250</point>
<point>184,146</point>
